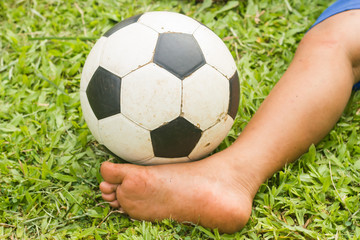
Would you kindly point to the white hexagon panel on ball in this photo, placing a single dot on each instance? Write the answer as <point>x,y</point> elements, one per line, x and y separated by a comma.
<point>205,97</point>
<point>125,138</point>
<point>151,96</point>
<point>89,116</point>
<point>211,138</point>
<point>169,22</point>
<point>92,63</point>
<point>215,51</point>
<point>128,49</point>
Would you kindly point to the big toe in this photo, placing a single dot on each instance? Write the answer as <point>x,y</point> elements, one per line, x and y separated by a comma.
<point>114,173</point>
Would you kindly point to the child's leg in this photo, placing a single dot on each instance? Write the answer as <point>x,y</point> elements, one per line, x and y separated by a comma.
<point>311,96</point>
<point>217,191</point>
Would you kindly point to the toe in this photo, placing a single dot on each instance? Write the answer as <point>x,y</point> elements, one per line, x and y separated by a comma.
<point>114,204</point>
<point>114,173</point>
<point>108,188</point>
<point>109,197</point>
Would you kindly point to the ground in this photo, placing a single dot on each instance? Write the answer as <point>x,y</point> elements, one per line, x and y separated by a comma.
<point>49,161</point>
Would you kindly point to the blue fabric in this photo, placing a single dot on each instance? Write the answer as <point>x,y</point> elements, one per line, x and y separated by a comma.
<point>356,86</point>
<point>338,7</point>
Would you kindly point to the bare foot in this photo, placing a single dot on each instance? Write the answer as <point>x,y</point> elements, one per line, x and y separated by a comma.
<point>209,192</point>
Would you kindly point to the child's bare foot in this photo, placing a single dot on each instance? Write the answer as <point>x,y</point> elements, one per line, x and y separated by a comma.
<point>210,192</point>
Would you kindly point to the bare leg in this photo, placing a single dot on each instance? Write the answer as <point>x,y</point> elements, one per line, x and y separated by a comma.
<point>301,109</point>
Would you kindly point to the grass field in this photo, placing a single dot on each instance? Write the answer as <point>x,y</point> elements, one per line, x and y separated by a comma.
<point>49,161</point>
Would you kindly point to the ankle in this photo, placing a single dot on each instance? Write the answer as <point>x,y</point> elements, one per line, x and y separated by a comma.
<point>244,170</point>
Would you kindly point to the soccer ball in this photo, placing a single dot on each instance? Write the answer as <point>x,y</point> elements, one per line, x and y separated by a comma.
<point>158,88</point>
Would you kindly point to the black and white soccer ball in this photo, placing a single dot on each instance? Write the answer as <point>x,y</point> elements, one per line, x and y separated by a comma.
<point>159,88</point>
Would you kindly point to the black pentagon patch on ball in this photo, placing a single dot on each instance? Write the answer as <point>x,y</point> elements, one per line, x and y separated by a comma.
<point>103,93</point>
<point>234,95</point>
<point>179,53</point>
<point>175,139</point>
<point>122,24</point>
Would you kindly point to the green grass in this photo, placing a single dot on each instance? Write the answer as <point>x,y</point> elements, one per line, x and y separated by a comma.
<point>49,161</point>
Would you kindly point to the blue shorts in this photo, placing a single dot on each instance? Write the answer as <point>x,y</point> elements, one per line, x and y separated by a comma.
<point>338,7</point>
